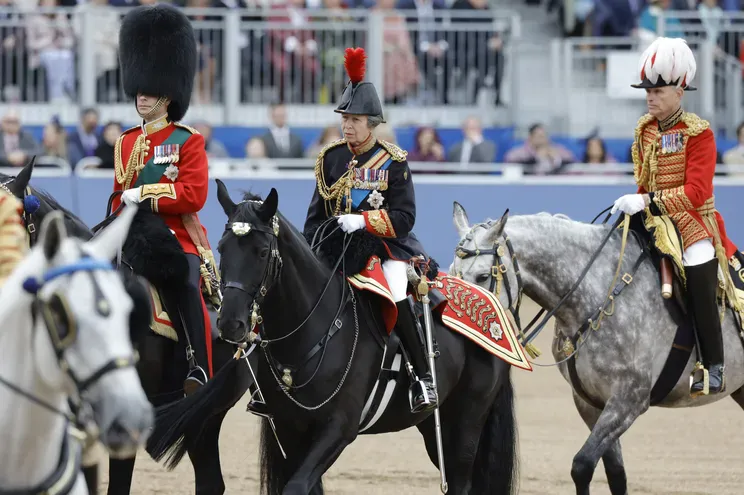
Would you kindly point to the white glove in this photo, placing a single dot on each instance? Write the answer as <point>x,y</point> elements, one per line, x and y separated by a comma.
<point>630,204</point>
<point>351,223</point>
<point>131,196</point>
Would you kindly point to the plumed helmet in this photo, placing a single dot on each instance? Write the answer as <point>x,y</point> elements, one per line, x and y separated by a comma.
<point>157,55</point>
<point>359,97</point>
<point>667,62</point>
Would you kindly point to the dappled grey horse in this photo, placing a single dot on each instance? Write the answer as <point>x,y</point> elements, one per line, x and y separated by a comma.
<point>619,363</point>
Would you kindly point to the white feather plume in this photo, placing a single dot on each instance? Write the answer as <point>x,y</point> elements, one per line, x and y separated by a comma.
<point>674,61</point>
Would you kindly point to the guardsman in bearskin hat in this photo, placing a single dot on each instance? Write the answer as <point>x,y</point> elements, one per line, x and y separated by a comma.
<point>674,157</point>
<point>162,164</point>
<point>367,184</point>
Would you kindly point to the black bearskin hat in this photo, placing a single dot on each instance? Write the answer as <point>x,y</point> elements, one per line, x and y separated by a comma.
<point>359,98</point>
<point>157,55</point>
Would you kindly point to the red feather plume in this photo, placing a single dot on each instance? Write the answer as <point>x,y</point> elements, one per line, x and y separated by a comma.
<point>355,64</point>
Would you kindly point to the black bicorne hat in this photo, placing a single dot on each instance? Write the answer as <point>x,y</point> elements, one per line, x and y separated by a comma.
<point>668,60</point>
<point>157,55</point>
<point>359,97</point>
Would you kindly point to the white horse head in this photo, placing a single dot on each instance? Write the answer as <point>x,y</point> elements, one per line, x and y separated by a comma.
<point>66,334</point>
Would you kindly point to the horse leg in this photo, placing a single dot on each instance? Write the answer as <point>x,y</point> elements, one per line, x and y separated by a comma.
<point>619,413</point>
<point>613,458</point>
<point>205,457</point>
<point>120,476</point>
<point>329,440</point>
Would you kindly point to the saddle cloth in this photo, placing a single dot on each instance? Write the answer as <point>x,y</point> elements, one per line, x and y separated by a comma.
<point>465,308</point>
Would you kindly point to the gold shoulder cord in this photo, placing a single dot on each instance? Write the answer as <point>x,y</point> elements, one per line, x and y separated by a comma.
<point>338,189</point>
<point>134,163</point>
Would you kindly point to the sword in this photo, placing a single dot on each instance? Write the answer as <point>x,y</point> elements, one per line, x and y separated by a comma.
<point>423,292</point>
<point>259,394</point>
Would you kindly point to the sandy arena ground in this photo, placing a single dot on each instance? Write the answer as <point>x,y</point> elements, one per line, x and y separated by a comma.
<point>665,450</point>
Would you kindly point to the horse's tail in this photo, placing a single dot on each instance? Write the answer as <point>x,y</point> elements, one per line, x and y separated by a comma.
<point>273,478</point>
<point>179,424</point>
<point>496,468</point>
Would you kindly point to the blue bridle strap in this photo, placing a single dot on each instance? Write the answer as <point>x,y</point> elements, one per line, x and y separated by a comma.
<point>32,285</point>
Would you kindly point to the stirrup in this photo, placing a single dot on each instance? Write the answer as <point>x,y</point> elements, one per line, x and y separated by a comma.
<point>706,380</point>
<point>195,379</point>
<point>258,407</point>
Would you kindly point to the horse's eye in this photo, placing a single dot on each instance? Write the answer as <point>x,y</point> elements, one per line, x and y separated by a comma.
<point>483,277</point>
<point>264,253</point>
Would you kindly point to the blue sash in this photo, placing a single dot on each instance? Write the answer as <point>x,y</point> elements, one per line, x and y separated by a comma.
<point>359,195</point>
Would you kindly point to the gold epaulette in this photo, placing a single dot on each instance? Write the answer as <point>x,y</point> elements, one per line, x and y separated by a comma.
<point>695,125</point>
<point>188,128</point>
<point>396,153</point>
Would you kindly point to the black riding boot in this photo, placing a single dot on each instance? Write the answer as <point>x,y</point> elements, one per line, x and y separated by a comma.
<point>185,305</point>
<point>702,284</point>
<point>423,394</point>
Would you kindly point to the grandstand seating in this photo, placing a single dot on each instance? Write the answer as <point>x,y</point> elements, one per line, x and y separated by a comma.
<point>234,139</point>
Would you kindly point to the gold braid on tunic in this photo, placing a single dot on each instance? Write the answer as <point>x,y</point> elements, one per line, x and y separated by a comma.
<point>135,163</point>
<point>340,188</point>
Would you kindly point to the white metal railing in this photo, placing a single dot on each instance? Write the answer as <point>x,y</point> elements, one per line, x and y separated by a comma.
<point>441,172</point>
<point>259,55</point>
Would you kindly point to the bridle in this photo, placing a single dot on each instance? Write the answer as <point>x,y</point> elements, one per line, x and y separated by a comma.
<point>256,334</point>
<point>499,271</point>
<point>62,331</point>
<point>498,274</point>
<point>30,207</point>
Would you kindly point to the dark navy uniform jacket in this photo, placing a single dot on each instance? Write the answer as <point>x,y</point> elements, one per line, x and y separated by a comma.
<point>379,187</point>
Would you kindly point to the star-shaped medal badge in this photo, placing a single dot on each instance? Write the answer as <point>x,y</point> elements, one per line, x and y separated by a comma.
<point>375,199</point>
<point>495,330</point>
<point>171,172</point>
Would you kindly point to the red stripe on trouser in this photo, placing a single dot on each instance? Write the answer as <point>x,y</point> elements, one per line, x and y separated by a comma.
<point>208,334</point>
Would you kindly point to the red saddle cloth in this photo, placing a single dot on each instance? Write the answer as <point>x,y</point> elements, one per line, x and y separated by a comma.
<point>469,310</point>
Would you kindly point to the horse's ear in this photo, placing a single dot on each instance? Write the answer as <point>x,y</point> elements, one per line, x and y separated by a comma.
<point>19,184</point>
<point>108,242</point>
<point>52,233</point>
<point>228,205</point>
<point>269,206</point>
<point>461,219</point>
<point>495,231</point>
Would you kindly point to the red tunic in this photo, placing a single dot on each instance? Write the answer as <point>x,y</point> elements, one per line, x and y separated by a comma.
<point>172,199</point>
<point>175,200</point>
<point>676,167</point>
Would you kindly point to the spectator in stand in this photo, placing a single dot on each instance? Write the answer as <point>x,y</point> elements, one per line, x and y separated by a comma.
<point>332,44</point>
<point>648,22</point>
<point>83,141</point>
<point>478,51</point>
<point>215,148</point>
<point>105,149</point>
<point>427,146</point>
<point>614,17</point>
<point>255,148</point>
<point>50,41</point>
<point>12,54</point>
<point>17,146</point>
<point>293,53</point>
<point>105,22</point>
<point>596,152</point>
<point>209,44</point>
<point>54,140</point>
<point>713,19</point>
<point>474,148</point>
<point>539,155</point>
<point>330,134</point>
<point>401,67</point>
<point>279,141</point>
<point>430,44</point>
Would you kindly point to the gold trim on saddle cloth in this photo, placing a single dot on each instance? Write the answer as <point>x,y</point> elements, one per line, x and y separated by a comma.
<point>159,327</point>
<point>666,239</point>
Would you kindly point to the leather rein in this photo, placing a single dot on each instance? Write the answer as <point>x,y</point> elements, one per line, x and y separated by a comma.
<point>499,273</point>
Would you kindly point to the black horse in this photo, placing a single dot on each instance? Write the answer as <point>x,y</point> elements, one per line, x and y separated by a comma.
<point>162,365</point>
<point>273,278</point>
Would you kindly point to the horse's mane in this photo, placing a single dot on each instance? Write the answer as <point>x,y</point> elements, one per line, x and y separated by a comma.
<point>78,224</point>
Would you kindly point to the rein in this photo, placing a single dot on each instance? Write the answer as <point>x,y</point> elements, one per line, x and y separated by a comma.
<point>271,274</point>
<point>498,272</point>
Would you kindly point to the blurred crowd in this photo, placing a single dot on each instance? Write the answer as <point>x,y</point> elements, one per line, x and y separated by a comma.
<point>290,50</point>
